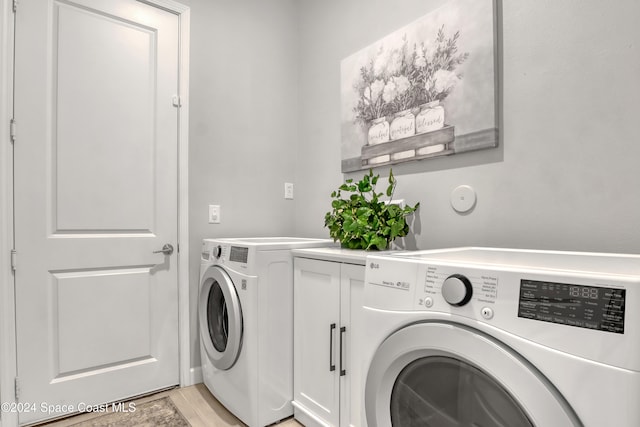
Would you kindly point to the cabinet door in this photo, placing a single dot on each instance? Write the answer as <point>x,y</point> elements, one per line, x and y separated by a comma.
<point>352,286</point>
<point>316,342</point>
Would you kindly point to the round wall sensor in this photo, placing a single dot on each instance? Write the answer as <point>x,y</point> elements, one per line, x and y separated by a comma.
<point>463,198</point>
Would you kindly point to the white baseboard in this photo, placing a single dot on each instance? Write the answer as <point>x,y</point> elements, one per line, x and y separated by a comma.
<point>195,377</point>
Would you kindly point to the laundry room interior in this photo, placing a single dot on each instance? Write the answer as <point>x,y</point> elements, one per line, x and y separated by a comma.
<point>264,110</point>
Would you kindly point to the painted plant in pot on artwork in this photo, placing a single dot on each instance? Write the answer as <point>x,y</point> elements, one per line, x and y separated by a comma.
<point>400,91</point>
<point>361,219</point>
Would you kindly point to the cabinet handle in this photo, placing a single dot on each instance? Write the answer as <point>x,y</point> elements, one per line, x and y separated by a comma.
<point>332,366</point>
<point>342,332</point>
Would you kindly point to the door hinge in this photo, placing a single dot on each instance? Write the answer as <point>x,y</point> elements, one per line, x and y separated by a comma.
<point>17,385</point>
<point>176,101</point>
<point>14,255</point>
<point>12,130</point>
<point>15,6</point>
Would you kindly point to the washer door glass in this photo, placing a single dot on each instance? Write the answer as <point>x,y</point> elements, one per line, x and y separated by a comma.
<point>438,374</point>
<point>220,318</point>
<point>442,391</point>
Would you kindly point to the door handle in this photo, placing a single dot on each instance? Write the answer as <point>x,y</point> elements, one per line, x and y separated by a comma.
<point>167,249</point>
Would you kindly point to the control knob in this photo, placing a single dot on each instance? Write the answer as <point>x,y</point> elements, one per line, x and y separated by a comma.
<point>457,290</point>
<point>217,251</point>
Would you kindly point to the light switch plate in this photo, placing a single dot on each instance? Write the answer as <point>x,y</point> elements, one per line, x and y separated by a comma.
<point>214,214</point>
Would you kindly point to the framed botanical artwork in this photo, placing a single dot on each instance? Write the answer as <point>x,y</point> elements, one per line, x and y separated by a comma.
<point>428,89</point>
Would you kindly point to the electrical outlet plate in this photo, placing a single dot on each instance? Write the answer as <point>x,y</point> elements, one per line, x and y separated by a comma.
<point>288,190</point>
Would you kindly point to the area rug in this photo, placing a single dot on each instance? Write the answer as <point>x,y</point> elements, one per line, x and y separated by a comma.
<point>159,412</point>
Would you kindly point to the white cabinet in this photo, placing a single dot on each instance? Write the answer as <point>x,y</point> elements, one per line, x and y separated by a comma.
<point>327,301</point>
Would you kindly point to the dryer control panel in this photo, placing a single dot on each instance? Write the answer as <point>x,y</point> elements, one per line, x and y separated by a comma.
<point>239,254</point>
<point>223,253</point>
<point>590,307</point>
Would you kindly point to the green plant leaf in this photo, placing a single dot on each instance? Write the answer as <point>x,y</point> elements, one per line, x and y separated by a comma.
<point>364,186</point>
<point>364,212</point>
<point>379,242</point>
<point>349,225</point>
<point>397,227</point>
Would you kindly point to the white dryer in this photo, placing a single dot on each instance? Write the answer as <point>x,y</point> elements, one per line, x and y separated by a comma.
<point>245,312</point>
<point>498,337</point>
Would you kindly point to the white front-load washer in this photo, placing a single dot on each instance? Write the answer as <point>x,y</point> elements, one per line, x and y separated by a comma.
<point>498,337</point>
<point>245,313</point>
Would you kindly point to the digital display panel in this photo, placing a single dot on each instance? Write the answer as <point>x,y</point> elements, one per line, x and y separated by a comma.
<point>239,254</point>
<point>581,306</point>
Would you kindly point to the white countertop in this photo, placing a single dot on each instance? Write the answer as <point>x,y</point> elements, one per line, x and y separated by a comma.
<point>336,254</point>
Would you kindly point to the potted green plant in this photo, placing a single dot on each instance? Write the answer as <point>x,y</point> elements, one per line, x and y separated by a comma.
<point>362,220</point>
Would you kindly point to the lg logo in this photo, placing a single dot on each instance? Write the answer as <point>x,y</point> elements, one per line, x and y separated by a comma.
<point>374,265</point>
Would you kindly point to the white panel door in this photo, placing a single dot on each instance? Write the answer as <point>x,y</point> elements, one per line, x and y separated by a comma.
<point>95,195</point>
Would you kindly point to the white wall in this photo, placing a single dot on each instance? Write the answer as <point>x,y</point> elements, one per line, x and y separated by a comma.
<point>243,123</point>
<point>566,174</point>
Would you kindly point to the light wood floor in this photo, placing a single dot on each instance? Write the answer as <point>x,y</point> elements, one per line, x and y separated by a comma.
<point>195,403</point>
